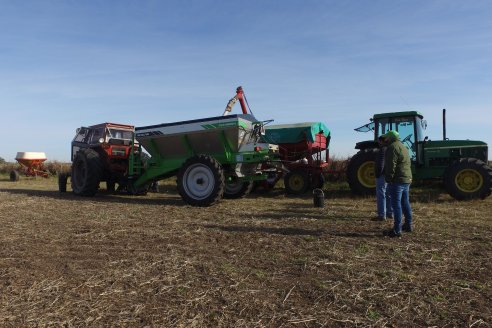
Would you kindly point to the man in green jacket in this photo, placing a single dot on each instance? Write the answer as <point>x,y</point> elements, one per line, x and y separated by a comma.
<point>398,174</point>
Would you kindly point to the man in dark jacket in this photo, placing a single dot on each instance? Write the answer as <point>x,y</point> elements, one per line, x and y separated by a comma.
<point>398,173</point>
<point>383,199</point>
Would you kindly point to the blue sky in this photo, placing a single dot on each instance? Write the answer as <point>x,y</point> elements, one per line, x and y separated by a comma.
<point>65,64</point>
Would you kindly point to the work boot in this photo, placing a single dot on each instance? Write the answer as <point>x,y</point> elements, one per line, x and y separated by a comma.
<point>378,218</point>
<point>407,228</point>
<point>391,233</point>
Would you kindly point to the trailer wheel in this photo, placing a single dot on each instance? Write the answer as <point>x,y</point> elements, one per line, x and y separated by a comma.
<point>14,176</point>
<point>237,189</point>
<point>201,181</point>
<point>86,172</point>
<point>468,178</point>
<point>297,182</point>
<point>62,182</point>
<point>360,172</point>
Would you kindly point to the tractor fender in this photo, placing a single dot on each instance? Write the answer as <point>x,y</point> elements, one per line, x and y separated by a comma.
<point>369,144</point>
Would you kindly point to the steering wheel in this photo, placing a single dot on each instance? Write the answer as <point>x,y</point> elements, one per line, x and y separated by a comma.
<point>407,139</point>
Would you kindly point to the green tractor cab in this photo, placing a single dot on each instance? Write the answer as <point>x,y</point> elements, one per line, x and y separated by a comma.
<point>461,164</point>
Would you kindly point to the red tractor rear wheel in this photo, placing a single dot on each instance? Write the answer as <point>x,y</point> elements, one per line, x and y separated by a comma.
<point>86,172</point>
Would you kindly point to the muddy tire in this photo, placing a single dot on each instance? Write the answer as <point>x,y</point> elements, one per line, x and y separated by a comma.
<point>86,172</point>
<point>468,178</point>
<point>14,176</point>
<point>237,189</point>
<point>201,181</point>
<point>62,182</point>
<point>297,182</point>
<point>360,172</point>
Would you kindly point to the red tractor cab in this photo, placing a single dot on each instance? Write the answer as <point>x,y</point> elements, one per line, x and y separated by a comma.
<point>100,153</point>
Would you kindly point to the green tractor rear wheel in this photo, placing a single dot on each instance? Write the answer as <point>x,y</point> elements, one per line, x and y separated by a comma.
<point>360,172</point>
<point>468,178</point>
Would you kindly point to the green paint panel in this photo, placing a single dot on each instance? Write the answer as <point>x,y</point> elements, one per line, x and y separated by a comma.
<point>225,125</point>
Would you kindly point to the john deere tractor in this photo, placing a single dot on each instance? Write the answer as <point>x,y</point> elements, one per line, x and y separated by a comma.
<point>461,164</point>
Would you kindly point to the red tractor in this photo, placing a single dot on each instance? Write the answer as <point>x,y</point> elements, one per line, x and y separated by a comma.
<point>100,153</point>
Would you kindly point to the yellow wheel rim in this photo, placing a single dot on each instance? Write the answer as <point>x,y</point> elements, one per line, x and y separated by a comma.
<point>469,180</point>
<point>296,182</point>
<point>365,175</point>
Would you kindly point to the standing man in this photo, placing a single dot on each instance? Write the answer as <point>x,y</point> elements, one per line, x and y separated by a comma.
<point>383,198</point>
<point>398,174</point>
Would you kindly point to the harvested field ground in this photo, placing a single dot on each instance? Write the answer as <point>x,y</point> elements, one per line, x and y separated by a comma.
<point>264,261</point>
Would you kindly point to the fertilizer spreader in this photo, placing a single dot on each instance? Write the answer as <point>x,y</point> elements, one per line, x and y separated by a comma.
<point>31,164</point>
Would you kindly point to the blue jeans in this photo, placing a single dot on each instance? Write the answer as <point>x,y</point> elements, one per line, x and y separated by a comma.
<point>383,198</point>
<point>401,204</point>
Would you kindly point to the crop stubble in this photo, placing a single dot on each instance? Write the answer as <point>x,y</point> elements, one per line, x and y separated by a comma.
<point>264,261</point>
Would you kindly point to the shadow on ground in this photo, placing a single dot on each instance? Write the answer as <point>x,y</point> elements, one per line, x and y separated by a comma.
<point>102,197</point>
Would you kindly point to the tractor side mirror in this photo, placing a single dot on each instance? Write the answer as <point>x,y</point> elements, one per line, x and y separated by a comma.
<point>424,124</point>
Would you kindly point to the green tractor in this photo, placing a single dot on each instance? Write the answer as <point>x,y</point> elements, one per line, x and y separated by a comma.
<point>460,164</point>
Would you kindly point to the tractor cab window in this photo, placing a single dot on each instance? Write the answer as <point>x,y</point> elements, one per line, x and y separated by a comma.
<point>383,126</point>
<point>81,135</point>
<point>366,128</point>
<point>406,129</point>
<point>405,126</point>
<point>120,134</point>
<point>97,135</point>
<point>119,137</point>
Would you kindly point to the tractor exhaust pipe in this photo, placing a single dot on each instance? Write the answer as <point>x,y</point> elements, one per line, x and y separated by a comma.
<point>444,124</point>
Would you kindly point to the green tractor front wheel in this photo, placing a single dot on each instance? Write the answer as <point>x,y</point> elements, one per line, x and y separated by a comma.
<point>468,178</point>
<point>360,172</point>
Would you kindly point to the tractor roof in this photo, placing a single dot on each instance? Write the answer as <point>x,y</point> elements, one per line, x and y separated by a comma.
<point>112,125</point>
<point>398,114</point>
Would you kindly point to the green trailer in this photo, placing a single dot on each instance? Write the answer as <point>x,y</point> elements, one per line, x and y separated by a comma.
<point>212,157</point>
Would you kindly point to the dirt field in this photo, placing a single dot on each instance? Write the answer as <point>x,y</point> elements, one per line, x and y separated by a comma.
<point>264,261</point>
